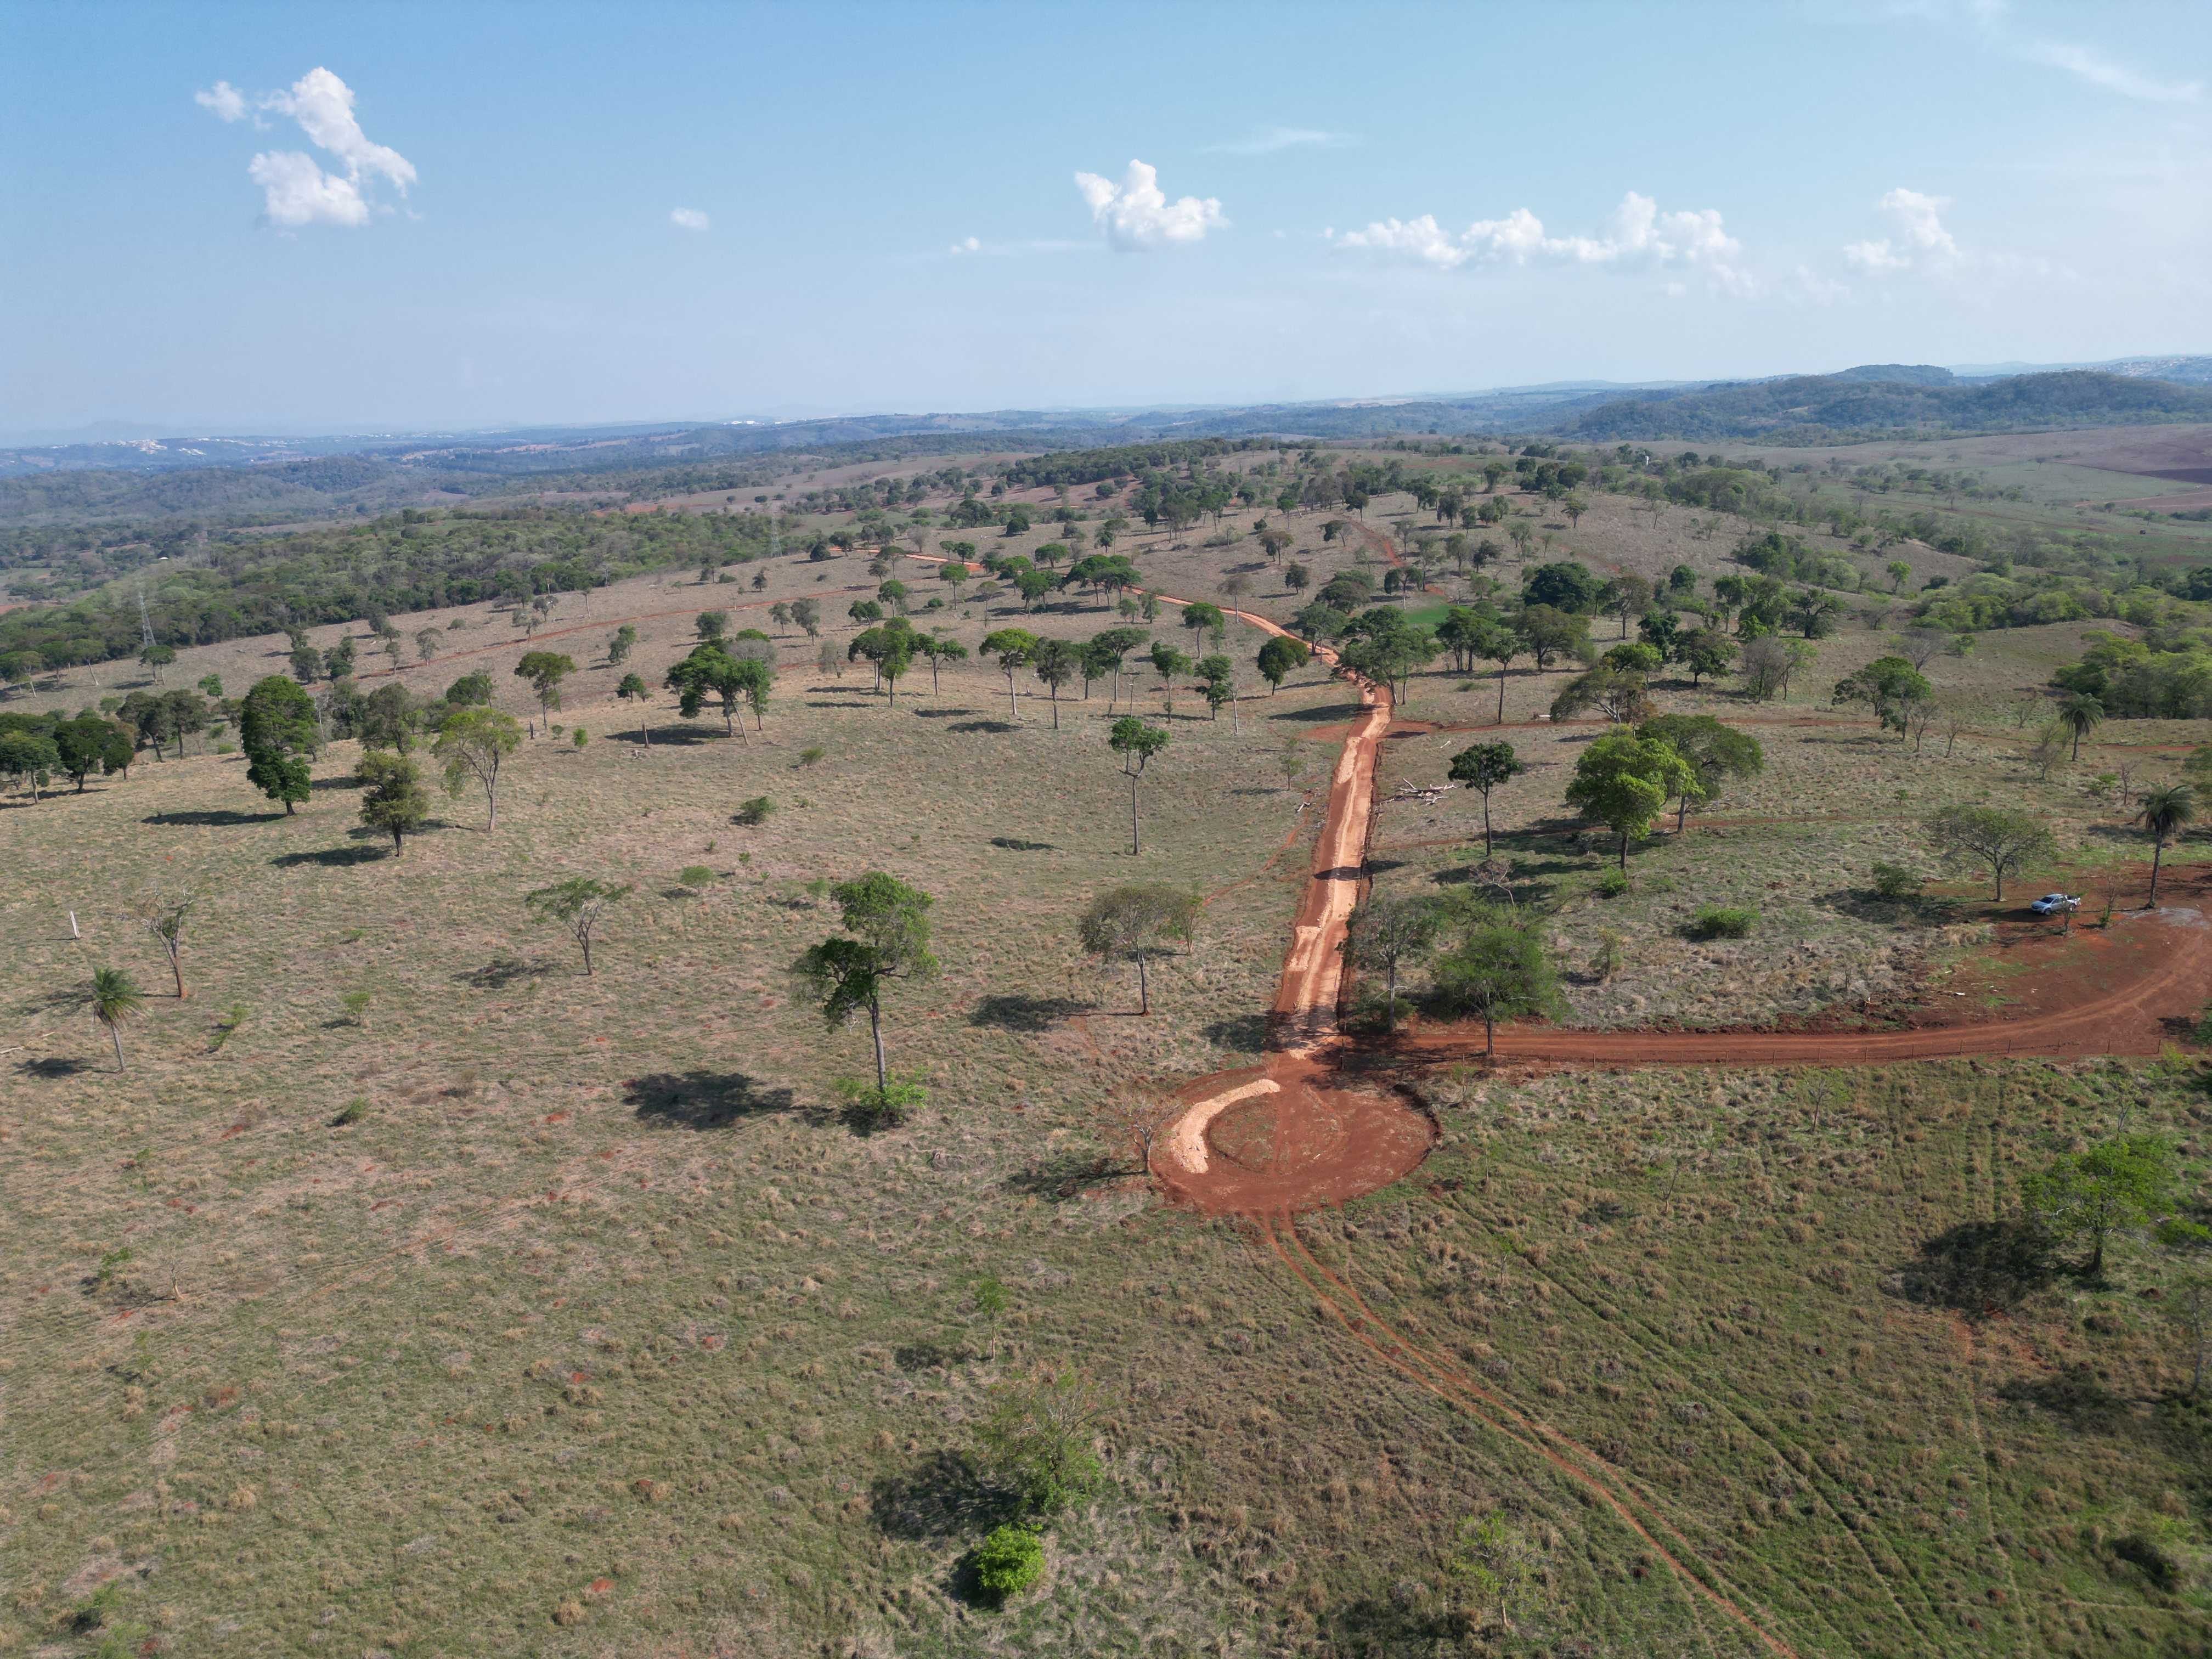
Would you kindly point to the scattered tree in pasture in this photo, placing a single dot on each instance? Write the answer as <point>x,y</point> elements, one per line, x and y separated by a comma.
<point>474,743</point>
<point>888,925</point>
<point>1039,1439</point>
<point>1167,663</point>
<point>276,729</point>
<point>545,669</point>
<point>115,998</point>
<point>1499,972</point>
<point>2124,1181</point>
<point>31,758</point>
<point>1280,658</point>
<point>1998,838</point>
<point>89,741</point>
<point>1389,934</point>
<point>619,645</point>
<point>392,798</point>
<point>2165,812</point>
<point>1717,754</point>
<point>1887,685</point>
<point>1055,662</point>
<point>577,904</point>
<point>633,689</point>
<point>711,625</point>
<point>2081,715</point>
<point>163,913</point>
<point>1136,743</point>
<point>1483,767</point>
<point>1130,924</point>
<point>1623,782</point>
<point>1015,649</point>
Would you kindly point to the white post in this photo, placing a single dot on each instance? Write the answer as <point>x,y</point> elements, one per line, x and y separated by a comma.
<point>73,932</point>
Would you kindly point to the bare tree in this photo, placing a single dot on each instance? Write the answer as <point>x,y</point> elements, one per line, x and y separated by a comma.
<point>163,914</point>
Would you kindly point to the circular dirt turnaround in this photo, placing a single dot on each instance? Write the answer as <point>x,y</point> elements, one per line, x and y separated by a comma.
<point>1282,1137</point>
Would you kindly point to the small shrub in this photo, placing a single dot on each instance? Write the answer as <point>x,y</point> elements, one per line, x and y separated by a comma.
<point>1612,885</point>
<point>1606,963</point>
<point>1008,1562</point>
<point>111,1263</point>
<point>1717,922</point>
<point>990,1296</point>
<point>868,1107</point>
<point>356,1005</point>
<point>2201,1032</point>
<point>580,737</point>
<point>352,1112</point>
<point>813,753</point>
<point>1894,881</point>
<point>695,875</point>
<point>755,811</point>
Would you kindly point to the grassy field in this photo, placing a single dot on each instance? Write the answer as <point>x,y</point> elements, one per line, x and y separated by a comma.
<point>512,1310</point>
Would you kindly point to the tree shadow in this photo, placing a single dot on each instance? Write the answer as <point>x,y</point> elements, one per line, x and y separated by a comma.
<point>943,1496</point>
<point>982,725</point>
<point>1322,715</point>
<point>839,702</point>
<point>502,971</point>
<point>1016,844</point>
<point>53,1068</point>
<point>702,1100</point>
<point>940,714</point>
<point>1069,1175</point>
<point>1031,1016</point>
<point>215,818</point>
<point>2072,1392</point>
<point>928,1356</point>
<point>345,781</point>
<point>685,737</point>
<point>332,857</point>
<point>1243,1034</point>
<point>1979,1267</point>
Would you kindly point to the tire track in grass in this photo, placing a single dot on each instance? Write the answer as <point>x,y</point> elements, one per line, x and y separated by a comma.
<point>1455,1387</point>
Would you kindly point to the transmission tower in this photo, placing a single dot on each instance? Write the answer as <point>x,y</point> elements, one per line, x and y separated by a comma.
<point>145,621</point>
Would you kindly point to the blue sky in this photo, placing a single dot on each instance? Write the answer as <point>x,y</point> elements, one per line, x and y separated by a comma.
<point>477,215</point>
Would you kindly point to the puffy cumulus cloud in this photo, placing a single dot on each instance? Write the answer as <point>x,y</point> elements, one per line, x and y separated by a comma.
<point>226,101</point>
<point>297,192</point>
<point>1637,236</point>
<point>1921,239</point>
<point>1136,215</point>
<point>688,219</point>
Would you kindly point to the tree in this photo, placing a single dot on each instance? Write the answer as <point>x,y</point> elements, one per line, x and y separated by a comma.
<point>1619,693</point>
<point>1900,573</point>
<point>1128,924</point>
<point>1996,837</point>
<point>2164,814</point>
<point>163,914</point>
<point>1295,578</point>
<point>577,904</point>
<point>1136,743</point>
<point>87,742</point>
<point>1886,685</point>
<point>1389,933</point>
<point>1623,782</point>
<point>1706,652</point>
<point>1499,972</point>
<point>1202,617</point>
<point>545,669</point>
<point>618,644</point>
<point>307,664</point>
<point>474,741</point>
<point>1015,648</point>
<point>1040,1438</point>
<point>1280,658</point>
<point>157,658</point>
<point>1574,506</point>
<point>939,651</point>
<point>1548,631</point>
<point>1627,597</point>
<point>1766,667</point>
<point>711,669</point>
<point>393,797</point>
<point>388,717</point>
<point>115,998</point>
<point>1716,753</point>
<point>1055,662</point>
<point>276,729</point>
<point>889,925</point>
<point>30,755</point>
<point>633,689</point>
<point>2081,715</point>
<point>2123,1181</point>
<point>807,613</point>
<point>1483,767</point>
<point>427,642</point>
<point>711,625</point>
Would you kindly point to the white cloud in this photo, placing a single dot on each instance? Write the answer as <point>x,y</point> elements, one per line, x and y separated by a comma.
<point>687,219</point>
<point>297,192</point>
<point>967,244</point>
<point>1137,216</point>
<point>1268,141</point>
<point>2101,71</point>
<point>1638,236</point>
<point>295,189</point>
<point>976,245</point>
<point>1922,239</point>
<point>227,102</point>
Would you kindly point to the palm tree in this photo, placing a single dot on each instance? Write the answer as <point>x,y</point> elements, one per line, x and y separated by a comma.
<point>115,999</point>
<point>2165,813</point>
<point>2081,715</point>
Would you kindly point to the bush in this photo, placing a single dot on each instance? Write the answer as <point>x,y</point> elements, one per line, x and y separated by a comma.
<point>2201,1033</point>
<point>1717,921</point>
<point>353,1112</point>
<point>811,754</point>
<point>870,1108</point>
<point>755,811</point>
<point>695,875</point>
<point>1008,1562</point>
<point>1612,885</point>
<point>1894,881</point>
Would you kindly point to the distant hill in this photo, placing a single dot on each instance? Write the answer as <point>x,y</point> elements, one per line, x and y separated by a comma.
<point>1857,404</point>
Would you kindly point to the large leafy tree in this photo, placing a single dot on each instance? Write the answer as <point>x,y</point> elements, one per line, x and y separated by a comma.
<point>392,798</point>
<point>1279,658</point>
<point>886,939</point>
<point>1717,753</point>
<point>545,669</point>
<point>1130,924</point>
<point>277,729</point>
<point>87,741</point>
<point>1623,782</point>
<point>474,743</point>
<point>1482,768</point>
<point>1998,838</point>
<point>1136,743</point>
<point>711,670</point>
<point>1888,686</point>
<point>1497,971</point>
<point>1390,933</point>
<point>30,756</point>
<point>2124,1181</point>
